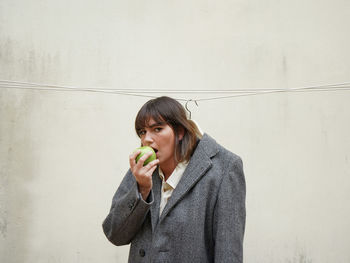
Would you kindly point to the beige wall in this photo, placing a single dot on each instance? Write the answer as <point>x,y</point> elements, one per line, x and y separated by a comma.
<point>63,154</point>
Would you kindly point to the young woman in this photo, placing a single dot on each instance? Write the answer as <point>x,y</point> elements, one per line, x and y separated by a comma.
<point>188,205</point>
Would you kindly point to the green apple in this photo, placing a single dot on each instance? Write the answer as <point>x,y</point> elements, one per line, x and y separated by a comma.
<point>144,150</point>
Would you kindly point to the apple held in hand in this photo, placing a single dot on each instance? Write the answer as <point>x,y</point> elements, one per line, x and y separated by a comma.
<point>144,150</point>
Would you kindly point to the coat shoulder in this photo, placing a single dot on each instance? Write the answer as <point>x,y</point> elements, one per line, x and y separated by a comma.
<point>217,151</point>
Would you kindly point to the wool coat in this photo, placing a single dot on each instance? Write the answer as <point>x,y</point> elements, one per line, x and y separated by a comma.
<point>203,221</point>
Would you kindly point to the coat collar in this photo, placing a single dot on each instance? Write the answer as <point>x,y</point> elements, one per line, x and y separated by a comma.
<point>198,165</point>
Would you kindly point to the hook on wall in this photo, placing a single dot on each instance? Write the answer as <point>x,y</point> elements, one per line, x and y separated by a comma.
<point>189,112</point>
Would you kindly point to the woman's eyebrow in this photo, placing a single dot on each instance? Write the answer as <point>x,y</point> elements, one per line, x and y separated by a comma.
<point>156,124</point>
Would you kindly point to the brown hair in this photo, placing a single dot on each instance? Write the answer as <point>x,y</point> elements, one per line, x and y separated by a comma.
<point>169,110</point>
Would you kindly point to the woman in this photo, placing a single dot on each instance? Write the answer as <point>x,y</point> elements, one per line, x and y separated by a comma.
<point>188,205</point>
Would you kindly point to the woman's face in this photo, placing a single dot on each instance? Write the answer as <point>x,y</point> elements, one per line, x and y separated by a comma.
<point>161,137</point>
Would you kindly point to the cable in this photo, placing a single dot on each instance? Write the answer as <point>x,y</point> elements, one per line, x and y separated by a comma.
<point>306,89</point>
<point>5,84</point>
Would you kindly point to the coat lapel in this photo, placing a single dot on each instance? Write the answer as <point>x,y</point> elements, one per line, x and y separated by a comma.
<point>157,184</point>
<point>199,164</point>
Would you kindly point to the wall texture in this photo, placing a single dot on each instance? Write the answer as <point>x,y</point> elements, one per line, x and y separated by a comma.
<point>63,154</point>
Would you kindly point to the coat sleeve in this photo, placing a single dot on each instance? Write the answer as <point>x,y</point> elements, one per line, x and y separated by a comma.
<point>229,215</point>
<point>127,213</point>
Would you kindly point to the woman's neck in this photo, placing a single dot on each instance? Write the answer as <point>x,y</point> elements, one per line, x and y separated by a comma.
<point>168,169</point>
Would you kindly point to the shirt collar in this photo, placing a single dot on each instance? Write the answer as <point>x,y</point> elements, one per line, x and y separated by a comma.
<point>176,175</point>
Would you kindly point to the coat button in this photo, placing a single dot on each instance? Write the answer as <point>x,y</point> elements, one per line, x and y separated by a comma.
<point>131,205</point>
<point>142,252</point>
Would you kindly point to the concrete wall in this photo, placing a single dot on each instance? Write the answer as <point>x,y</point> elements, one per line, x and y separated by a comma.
<point>63,154</point>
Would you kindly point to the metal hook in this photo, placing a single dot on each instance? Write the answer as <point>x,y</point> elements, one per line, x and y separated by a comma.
<point>187,107</point>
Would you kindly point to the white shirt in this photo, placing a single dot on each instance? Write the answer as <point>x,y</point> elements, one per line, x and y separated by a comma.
<point>169,185</point>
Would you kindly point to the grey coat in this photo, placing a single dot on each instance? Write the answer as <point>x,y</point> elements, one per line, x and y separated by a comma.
<point>203,221</point>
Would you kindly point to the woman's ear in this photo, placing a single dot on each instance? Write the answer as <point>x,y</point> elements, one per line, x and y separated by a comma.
<point>180,133</point>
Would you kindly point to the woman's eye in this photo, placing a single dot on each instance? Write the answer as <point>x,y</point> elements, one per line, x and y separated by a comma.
<point>142,133</point>
<point>158,129</point>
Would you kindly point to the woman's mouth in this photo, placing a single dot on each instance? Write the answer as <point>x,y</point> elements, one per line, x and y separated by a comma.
<point>156,151</point>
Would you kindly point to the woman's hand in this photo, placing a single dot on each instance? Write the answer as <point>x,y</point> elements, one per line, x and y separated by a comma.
<point>143,174</point>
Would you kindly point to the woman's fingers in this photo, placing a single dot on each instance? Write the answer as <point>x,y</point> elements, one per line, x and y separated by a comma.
<point>152,165</point>
<point>138,169</point>
<point>132,158</point>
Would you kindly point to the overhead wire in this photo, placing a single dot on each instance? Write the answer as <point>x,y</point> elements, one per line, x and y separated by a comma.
<point>229,93</point>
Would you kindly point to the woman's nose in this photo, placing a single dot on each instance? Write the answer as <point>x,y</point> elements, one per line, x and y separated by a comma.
<point>147,140</point>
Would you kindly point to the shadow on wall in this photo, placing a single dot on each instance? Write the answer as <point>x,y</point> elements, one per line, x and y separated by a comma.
<point>16,171</point>
<point>299,258</point>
